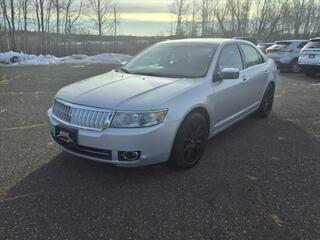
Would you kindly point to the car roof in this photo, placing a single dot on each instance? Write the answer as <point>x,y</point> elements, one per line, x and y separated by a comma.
<point>315,39</point>
<point>294,40</point>
<point>204,40</point>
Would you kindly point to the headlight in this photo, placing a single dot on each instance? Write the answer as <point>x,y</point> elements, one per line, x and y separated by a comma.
<point>137,119</point>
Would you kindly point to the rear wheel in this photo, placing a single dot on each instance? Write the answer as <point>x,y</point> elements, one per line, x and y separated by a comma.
<point>294,66</point>
<point>267,102</point>
<point>190,141</point>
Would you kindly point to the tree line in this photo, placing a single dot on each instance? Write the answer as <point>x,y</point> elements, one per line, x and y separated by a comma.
<point>62,27</point>
<point>47,26</point>
<point>267,20</point>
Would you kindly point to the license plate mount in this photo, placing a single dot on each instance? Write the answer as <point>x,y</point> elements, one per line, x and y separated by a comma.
<point>66,135</point>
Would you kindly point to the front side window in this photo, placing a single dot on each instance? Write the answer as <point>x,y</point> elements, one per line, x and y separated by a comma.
<point>230,57</point>
<point>181,60</point>
<point>251,55</point>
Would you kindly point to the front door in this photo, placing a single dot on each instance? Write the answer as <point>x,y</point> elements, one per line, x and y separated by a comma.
<point>228,95</point>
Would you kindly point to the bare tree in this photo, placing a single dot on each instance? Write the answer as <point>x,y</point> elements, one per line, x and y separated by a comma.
<point>205,17</point>
<point>8,10</point>
<point>58,8</point>
<point>179,9</point>
<point>116,18</point>
<point>3,27</point>
<point>221,13</point>
<point>195,9</point>
<point>25,9</point>
<point>71,16</point>
<point>102,10</point>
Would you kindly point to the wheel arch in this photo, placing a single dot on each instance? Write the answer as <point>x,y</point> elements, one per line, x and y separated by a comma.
<point>200,109</point>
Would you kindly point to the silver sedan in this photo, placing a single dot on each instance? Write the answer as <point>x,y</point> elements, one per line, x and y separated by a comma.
<point>165,103</point>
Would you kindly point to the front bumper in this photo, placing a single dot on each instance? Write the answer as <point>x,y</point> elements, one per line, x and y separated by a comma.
<point>309,66</point>
<point>153,143</point>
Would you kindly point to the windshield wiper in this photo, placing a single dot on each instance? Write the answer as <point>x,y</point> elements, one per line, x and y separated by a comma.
<point>123,70</point>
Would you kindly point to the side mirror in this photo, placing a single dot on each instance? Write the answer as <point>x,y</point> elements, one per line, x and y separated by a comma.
<point>229,73</point>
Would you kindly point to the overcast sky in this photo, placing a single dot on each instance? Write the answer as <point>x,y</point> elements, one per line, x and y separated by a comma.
<point>144,17</point>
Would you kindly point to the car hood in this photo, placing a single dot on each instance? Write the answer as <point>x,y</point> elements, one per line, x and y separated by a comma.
<point>121,91</point>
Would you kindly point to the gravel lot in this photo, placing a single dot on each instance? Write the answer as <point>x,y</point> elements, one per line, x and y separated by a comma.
<point>260,179</point>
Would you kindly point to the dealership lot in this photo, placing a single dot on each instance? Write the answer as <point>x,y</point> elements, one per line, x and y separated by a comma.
<point>258,180</point>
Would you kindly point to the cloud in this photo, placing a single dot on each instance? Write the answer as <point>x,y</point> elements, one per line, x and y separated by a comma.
<point>144,6</point>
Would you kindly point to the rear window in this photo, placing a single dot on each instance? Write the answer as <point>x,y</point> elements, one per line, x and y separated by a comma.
<point>280,45</point>
<point>313,44</point>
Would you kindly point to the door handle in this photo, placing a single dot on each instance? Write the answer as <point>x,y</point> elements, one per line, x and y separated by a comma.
<point>245,80</point>
<point>266,71</point>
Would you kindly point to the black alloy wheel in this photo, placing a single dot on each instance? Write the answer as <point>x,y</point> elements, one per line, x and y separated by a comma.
<point>190,141</point>
<point>267,102</point>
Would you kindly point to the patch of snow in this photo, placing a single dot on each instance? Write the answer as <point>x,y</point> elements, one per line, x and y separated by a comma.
<point>26,59</point>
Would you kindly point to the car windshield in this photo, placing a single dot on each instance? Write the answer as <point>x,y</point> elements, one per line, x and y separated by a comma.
<point>313,44</point>
<point>181,60</point>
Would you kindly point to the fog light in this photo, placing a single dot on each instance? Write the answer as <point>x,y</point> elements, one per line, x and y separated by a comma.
<point>128,156</point>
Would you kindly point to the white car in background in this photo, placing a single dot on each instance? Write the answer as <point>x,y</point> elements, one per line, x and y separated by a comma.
<point>309,58</point>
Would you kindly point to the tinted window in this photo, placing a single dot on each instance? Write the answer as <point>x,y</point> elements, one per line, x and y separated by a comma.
<point>265,45</point>
<point>287,43</point>
<point>279,45</point>
<point>230,57</point>
<point>301,45</point>
<point>252,57</point>
<point>173,60</point>
<point>313,44</point>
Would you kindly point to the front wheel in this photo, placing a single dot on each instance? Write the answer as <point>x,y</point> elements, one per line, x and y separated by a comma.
<point>190,141</point>
<point>267,102</point>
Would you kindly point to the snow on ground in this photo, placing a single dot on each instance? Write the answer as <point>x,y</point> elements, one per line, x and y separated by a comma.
<point>26,59</point>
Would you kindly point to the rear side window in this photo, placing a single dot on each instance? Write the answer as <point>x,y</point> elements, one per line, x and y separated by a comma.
<point>313,44</point>
<point>230,57</point>
<point>251,55</point>
<point>301,45</point>
<point>286,43</point>
<point>280,45</point>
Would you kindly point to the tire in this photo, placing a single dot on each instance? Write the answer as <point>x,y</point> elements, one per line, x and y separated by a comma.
<point>294,66</point>
<point>311,74</point>
<point>267,102</point>
<point>190,141</point>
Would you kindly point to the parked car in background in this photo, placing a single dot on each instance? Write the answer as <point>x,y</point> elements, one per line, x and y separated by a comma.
<point>165,103</point>
<point>286,54</point>
<point>309,59</point>
<point>264,46</point>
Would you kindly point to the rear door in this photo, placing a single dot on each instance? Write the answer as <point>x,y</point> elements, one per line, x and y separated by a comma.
<point>255,75</point>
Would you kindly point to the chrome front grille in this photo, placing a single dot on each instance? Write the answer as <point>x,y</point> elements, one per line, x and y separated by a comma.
<point>81,116</point>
